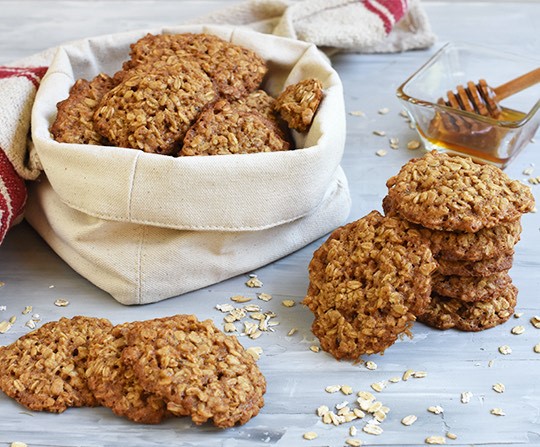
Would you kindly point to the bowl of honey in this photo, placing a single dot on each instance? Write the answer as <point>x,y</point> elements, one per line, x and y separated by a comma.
<point>494,138</point>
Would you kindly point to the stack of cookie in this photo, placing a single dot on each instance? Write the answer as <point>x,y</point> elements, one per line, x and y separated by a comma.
<point>145,370</point>
<point>470,214</point>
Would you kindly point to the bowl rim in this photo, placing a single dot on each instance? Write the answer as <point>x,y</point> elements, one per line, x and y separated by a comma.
<point>400,93</point>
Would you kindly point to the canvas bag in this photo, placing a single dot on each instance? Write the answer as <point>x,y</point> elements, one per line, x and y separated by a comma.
<point>146,227</point>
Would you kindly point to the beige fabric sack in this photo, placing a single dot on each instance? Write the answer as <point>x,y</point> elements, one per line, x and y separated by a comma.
<point>145,227</point>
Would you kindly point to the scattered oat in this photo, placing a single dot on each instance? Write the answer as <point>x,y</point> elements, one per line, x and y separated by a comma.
<point>30,324</point>
<point>255,334</point>
<point>5,326</point>
<point>528,171</point>
<point>451,435</point>
<point>535,321</point>
<point>419,374</point>
<point>366,395</point>
<point>36,317</point>
<point>264,296</point>
<point>292,331</point>
<point>384,111</point>
<point>332,388</point>
<point>394,143</point>
<point>27,310</point>
<point>404,114</point>
<point>379,416</point>
<point>518,330</point>
<point>537,348</point>
<point>466,397</point>
<point>310,435</point>
<point>18,444</point>
<point>334,418</point>
<point>346,389</point>
<point>359,413</point>
<point>225,307</point>
<point>409,420</point>
<point>407,374</point>
<point>413,145</point>
<point>357,113</point>
<point>381,152</point>
<point>240,299</point>
<point>374,407</point>
<point>288,303</point>
<point>499,387</point>
<point>13,319</point>
<point>254,282</point>
<point>378,386</point>
<point>371,365</point>
<point>322,410</point>
<point>435,440</point>
<point>505,350</point>
<point>353,430</point>
<point>436,409</point>
<point>61,302</point>
<point>534,180</point>
<point>518,314</point>
<point>394,379</point>
<point>3,308</point>
<point>379,133</point>
<point>326,418</point>
<point>255,352</point>
<point>498,412</point>
<point>372,428</point>
<point>253,308</point>
<point>490,363</point>
<point>230,327</point>
<point>314,348</point>
<point>353,442</point>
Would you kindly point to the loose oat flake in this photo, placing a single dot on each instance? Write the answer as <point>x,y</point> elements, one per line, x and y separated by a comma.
<point>384,111</point>
<point>254,282</point>
<point>372,429</point>
<point>537,348</point>
<point>371,365</point>
<point>5,326</point>
<point>332,388</point>
<point>240,299</point>
<point>518,330</point>
<point>407,374</point>
<point>466,397</point>
<point>346,389</point>
<point>322,410</point>
<point>225,307</point>
<point>394,379</point>
<point>288,303</point>
<point>436,409</point>
<point>419,374</point>
<point>353,442</point>
<point>379,133</point>
<point>409,420</point>
<point>413,145</point>
<point>264,296</point>
<point>61,302</point>
<point>505,350</point>
<point>255,352</point>
<point>357,113</point>
<point>292,331</point>
<point>18,444</point>
<point>535,321</point>
<point>310,435</point>
<point>498,412</point>
<point>378,386</point>
<point>314,348</point>
<point>499,388</point>
<point>381,152</point>
<point>451,435</point>
<point>435,440</point>
<point>353,431</point>
<point>27,310</point>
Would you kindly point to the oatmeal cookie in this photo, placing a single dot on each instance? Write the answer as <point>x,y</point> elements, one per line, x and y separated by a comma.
<point>236,70</point>
<point>299,102</point>
<point>153,111</point>
<point>460,246</point>
<point>446,313</point>
<point>368,282</point>
<point>453,193</point>
<point>44,370</point>
<point>470,288</point>
<point>228,128</point>
<point>486,267</point>
<point>74,121</point>
<point>197,369</point>
<point>114,384</point>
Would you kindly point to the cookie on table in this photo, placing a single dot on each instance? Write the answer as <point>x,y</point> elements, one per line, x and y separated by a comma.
<point>44,370</point>
<point>470,288</point>
<point>446,313</point>
<point>299,102</point>
<point>197,369</point>
<point>236,70</point>
<point>368,281</point>
<point>485,267</point>
<point>114,384</point>
<point>153,111</point>
<point>228,128</point>
<point>453,193</point>
<point>460,246</point>
<point>74,121</point>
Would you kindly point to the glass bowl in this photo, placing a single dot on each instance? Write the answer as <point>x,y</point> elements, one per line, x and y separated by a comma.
<point>485,139</point>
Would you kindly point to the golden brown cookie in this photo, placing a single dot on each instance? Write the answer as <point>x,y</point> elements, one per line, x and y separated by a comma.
<point>486,267</point>
<point>236,70</point>
<point>197,369</point>
<point>470,288</point>
<point>114,384</point>
<point>74,121</point>
<point>229,128</point>
<point>453,193</point>
<point>368,282</point>
<point>446,313</point>
<point>299,102</point>
<point>153,111</point>
<point>44,370</point>
<point>460,246</point>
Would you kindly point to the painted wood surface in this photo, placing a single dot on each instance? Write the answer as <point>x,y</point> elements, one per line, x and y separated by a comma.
<point>455,362</point>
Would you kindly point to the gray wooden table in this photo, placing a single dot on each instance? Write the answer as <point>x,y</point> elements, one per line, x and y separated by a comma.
<point>455,362</point>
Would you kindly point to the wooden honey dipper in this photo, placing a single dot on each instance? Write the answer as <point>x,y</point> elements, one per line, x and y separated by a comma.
<point>482,99</point>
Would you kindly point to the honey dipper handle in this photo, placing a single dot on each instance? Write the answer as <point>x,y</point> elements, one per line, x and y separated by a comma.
<point>516,85</point>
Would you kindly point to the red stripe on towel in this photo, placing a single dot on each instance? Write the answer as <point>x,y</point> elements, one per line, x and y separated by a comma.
<point>33,74</point>
<point>12,194</point>
<point>389,11</point>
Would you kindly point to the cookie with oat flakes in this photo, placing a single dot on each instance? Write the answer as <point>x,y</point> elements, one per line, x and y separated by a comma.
<point>453,193</point>
<point>236,70</point>
<point>74,121</point>
<point>485,267</point>
<point>232,128</point>
<point>44,370</point>
<point>153,111</point>
<point>114,384</point>
<point>197,369</point>
<point>446,313</point>
<point>368,282</point>
<point>470,288</point>
<point>299,102</point>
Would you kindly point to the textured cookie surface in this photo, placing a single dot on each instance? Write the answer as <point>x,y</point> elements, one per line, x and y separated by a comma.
<point>153,111</point>
<point>44,370</point>
<point>232,128</point>
<point>446,313</point>
<point>299,102</point>
<point>368,282</point>
<point>74,121</point>
<point>470,288</point>
<point>197,369</point>
<point>114,384</point>
<point>460,246</point>
<point>236,70</point>
<point>453,193</point>
<point>486,267</point>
